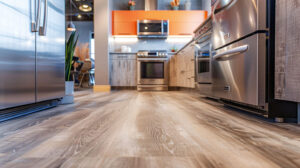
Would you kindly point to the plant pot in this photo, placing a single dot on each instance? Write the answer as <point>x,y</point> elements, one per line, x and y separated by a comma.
<point>175,7</point>
<point>131,7</point>
<point>69,93</point>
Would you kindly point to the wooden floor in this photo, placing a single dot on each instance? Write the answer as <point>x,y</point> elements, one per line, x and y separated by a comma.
<point>127,129</point>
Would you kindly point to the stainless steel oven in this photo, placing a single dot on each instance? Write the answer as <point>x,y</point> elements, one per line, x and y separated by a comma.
<point>203,60</point>
<point>153,28</point>
<point>152,71</point>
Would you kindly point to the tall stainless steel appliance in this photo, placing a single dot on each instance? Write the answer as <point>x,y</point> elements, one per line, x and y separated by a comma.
<point>202,52</point>
<point>239,57</point>
<point>243,57</point>
<point>32,51</point>
<point>203,58</point>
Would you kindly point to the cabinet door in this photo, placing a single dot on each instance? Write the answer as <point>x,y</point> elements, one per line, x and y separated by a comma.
<point>123,72</point>
<point>131,73</point>
<point>173,71</point>
<point>115,67</point>
<point>287,58</point>
<point>124,28</point>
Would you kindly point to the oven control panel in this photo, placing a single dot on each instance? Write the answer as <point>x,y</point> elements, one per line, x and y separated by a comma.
<point>152,54</point>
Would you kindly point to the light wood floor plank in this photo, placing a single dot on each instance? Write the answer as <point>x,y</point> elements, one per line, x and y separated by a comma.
<point>129,129</point>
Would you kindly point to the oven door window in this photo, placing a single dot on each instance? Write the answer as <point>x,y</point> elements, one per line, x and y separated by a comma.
<point>203,66</point>
<point>150,28</point>
<point>152,70</point>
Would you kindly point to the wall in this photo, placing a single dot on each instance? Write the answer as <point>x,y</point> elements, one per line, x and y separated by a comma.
<point>161,4</point>
<point>206,5</point>
<point>84,29</point>
<point>123,4</point>
<point>102,31</point>
<point>165,4</point>
<point>141,44</point>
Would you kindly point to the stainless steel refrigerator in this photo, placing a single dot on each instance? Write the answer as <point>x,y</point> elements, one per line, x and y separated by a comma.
<point>243,63</point>
<point>240,45</point>
<point>32,51</point>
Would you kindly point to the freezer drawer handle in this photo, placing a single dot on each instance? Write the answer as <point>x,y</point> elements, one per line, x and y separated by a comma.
<point>231,52</point>
<point>43,29</point>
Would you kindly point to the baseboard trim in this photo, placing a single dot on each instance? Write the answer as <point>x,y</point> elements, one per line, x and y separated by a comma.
<point>123,88</point>
<point>102,88</point>
<point>176,88</point>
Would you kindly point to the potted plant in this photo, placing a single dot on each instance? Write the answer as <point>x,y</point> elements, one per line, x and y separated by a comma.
<point>175,4</point>
<point>131,4</point>
<point>174,49</point>
<point>69,86</point>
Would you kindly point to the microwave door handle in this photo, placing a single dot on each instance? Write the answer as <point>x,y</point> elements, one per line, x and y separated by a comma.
<point>43,29</point>
<point>231,52</point>
<point>37,13</point>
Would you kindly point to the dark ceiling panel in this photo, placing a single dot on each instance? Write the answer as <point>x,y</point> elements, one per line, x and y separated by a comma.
<point>72,10</point>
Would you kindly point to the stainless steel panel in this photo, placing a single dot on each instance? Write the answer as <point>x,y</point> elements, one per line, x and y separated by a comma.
<point>205,89</point>
<point>240,75</point>
<point>17,53</point>
<point>234,19</point>
<point>51,52</point>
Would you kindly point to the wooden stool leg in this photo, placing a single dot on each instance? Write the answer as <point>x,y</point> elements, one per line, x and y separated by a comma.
<point>80,84</point>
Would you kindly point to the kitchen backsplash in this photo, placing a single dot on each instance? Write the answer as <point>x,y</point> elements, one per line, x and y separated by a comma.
<point>148,44</point>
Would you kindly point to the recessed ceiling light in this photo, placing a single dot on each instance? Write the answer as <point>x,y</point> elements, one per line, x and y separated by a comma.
<point>85,8</point>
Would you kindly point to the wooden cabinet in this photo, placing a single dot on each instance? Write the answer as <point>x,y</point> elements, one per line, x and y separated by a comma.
<point>287,57</point>
<point>123,70</point>
<point>182,68</point>
<point>181,22</point>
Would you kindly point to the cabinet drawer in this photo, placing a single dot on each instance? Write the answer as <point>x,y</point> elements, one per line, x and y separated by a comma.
<point>123,56</point>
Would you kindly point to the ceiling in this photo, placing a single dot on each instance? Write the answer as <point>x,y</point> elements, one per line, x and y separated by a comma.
<point>76,14</point>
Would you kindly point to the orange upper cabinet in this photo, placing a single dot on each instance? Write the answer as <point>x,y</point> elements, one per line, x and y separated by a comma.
<point>181,22</point>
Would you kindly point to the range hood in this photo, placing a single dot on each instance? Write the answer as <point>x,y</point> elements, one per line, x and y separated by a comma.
<point>150,5</point>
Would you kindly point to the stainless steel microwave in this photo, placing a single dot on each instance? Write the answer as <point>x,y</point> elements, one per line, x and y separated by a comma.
<point>153,28</point>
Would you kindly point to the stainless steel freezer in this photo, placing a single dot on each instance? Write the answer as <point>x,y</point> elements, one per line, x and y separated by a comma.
<point>31,57</point>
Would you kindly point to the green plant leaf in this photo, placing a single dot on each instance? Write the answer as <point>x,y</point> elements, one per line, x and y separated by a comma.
<point>70,49</point>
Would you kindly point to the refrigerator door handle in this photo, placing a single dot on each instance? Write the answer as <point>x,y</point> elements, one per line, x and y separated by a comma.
<point>231,52</point>
<point>43,29</point>
<point>35,24</point>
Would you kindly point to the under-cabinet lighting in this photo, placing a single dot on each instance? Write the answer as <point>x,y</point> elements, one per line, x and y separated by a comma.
<point>179,39</point>
<point>123,39</point>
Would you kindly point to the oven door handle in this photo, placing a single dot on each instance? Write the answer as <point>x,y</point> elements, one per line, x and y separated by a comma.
<point>231,52</point>
<point>152,59</point>
<point>203,59</point>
